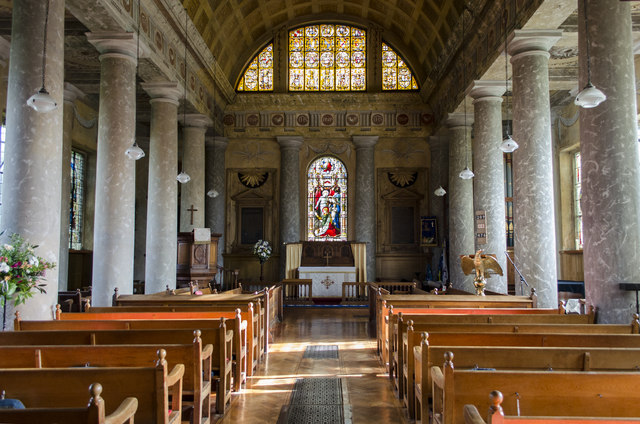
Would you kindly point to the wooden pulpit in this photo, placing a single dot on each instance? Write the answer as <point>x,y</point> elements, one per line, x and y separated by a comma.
<point>196,262</point>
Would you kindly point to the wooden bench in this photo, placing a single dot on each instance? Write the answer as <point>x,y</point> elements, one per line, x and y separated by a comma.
<point>517,358</point>
<point>195,357</point>
<point>66,388</point>
<point>221,364</point>
<point>93,413</point>
<point>540,393</point>
<point>496,416</point>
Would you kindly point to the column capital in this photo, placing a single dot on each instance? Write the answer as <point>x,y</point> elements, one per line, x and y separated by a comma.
<point>71,93</point>
<point>458,120</point>
<point>216,142</point>
<point>165,91</point>
<point>487,90</point>
<point>196,120</point>
<point>113,44</point>
<point>290,141</point>
<point>364,141</point>
<point>533,40</point>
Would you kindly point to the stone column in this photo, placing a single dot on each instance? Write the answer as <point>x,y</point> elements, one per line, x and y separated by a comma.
<point>289,194</point>
<point>162,195</point>
<point>461,231</point>
<point>438,176</point>
<point>609,154</point>
<point>71,93</point>
<point>192,193</point>
<point>365,199</point>
<point>142,189</point>
<point>115,173</point>
<point>216,179</point>
<point>33,151</point>
<point>488,193</point>
<point>533,201</point>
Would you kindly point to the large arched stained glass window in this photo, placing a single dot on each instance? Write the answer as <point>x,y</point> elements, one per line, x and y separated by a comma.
<point>327,58</point>
<point>259,74</point>
<point>396,75</point>
<point>327,200</point>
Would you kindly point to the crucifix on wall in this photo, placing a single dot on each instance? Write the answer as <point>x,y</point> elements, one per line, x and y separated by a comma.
<point>192,210</point>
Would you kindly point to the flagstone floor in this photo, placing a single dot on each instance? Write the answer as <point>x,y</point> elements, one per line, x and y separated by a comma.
<point>366,391</point>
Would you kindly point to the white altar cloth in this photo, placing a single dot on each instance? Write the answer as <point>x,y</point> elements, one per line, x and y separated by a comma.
<point>327,280</point>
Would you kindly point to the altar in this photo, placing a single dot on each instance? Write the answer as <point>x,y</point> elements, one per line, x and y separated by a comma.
<point>327,280</point>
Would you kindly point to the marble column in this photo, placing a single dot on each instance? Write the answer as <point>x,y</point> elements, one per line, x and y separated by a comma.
<point>289,194</point>
<point>71,93</point>
<point>192,194</point>
<point>365,199</point>
<point>216,182</point>
<point>488,160</point>
<point>609,155</point>
<point>162,195</point>
<point>533,200</point>
<point>142,189</point>
<point>33,150</point>
<point>461,231</point>
<point>438,176</point>
<point>115,174</point>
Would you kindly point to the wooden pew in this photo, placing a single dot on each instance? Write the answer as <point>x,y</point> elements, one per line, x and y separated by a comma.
<point>540,393</point>
<point>517,358</point>
<point>496,416</point>
<point>93,413</point>
<point>66,388</point>
<point>221,364</point>
<point>195,357</point>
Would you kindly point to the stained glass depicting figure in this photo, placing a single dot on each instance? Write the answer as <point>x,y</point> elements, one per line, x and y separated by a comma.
<point>327,57</point>
<point>396,75</point>
<point>327,200</point>
<point>259,74</point>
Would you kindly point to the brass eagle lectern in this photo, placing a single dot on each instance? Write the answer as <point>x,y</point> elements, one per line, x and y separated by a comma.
<point>480,263</point>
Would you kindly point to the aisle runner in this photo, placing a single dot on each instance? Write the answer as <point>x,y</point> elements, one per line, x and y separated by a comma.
<point>318,400</point>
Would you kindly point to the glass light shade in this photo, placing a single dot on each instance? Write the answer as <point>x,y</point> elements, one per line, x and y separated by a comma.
<point>42,101</point>
<point>183,178</point>
<point>509,145</point>
<point>590,97</point>
<point>440,191</point>
<point>213,193</point>
<point>134,152</point>
<point>466,173</point>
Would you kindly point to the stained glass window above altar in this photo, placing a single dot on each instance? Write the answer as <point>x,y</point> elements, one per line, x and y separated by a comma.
<point>327,200</point>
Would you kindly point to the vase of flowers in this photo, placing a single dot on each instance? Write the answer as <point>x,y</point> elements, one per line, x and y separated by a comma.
<point>262,249</point>
<point>21,273</point>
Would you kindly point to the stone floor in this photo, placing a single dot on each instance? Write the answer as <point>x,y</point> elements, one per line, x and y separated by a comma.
<point>367,396</point>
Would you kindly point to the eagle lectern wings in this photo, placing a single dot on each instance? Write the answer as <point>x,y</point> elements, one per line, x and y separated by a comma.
<point>480,263</point>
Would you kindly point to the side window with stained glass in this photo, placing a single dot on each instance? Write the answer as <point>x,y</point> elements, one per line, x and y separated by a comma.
<point>327,58</point>
<point>76,202</point>
<point>396,75</point>
<point>259,74</point>
<point>327,200</point>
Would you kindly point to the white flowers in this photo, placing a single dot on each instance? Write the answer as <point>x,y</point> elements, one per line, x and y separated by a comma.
<point>8,247</point>
<point>262,250</point>
<point>33,260</point>
<point>4,267</point>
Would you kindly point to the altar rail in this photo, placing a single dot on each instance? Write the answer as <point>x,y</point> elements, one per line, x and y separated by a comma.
<point>355,293</point>
<point>297,291</point>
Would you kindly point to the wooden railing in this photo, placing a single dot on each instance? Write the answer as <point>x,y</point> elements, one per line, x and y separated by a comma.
<point>355,293</point>
<point>297,291</point>
<point>401,287</point>
<point>229,278</point>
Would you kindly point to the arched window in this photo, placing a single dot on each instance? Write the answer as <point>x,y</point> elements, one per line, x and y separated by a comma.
<point>396,75</point>
<point>259,74</point>
<point>327,58</point>
<point>327,200</point>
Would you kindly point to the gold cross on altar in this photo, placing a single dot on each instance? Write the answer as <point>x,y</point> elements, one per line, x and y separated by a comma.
<point>192,210</point>
<point>327,255</point>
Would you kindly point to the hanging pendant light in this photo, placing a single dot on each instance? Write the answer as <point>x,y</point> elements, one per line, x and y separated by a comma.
<point>135,152</point>
<point>590,96</point>
<point>466,173</point>
<point>213,193</point>
<point>508,145</point>
<point>42,101</point>
<point>183,177</point>
<point>440,191</point>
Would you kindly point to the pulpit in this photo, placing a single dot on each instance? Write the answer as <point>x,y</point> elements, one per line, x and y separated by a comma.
<point>197,259</point>
<point>328,265</point>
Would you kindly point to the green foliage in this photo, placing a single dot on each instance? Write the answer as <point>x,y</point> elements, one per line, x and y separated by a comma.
<point>21,271</point>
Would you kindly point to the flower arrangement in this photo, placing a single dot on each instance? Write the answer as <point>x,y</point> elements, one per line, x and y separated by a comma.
<point>21,272</point>
<point>262,250</point>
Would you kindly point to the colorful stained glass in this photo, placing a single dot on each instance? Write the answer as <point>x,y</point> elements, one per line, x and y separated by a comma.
<point>259,74</point>
<point>325,58</point>
<point>396,75</point>
<point>327,200</point>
